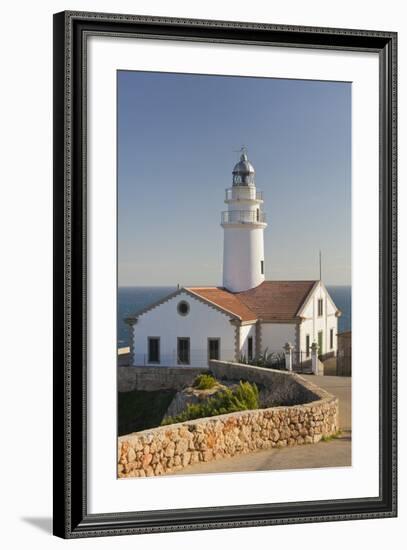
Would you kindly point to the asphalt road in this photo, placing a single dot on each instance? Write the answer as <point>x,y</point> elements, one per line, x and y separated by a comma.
<point>341,387</point>
<point>335,453</point>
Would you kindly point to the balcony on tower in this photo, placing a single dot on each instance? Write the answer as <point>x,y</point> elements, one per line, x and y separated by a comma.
<point>254,217</point>
<point>243,193</point>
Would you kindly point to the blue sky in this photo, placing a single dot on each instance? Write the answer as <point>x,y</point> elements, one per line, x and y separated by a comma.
<point>177,141</point>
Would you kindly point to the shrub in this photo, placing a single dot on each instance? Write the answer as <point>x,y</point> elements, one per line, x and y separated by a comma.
<point>242,398</point>
<point>204,382</point>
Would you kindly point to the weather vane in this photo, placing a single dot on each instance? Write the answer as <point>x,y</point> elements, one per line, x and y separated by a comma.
<point>243,150</point>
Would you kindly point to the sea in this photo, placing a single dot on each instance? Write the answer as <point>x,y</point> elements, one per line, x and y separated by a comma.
<point>133,299</point>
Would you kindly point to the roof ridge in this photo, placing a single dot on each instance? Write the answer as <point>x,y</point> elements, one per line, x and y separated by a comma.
<point>209,286</point>
<point>290,281</point>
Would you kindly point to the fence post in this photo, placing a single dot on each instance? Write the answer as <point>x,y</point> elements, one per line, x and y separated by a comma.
<point>314,357</point>
<point>288,352</point>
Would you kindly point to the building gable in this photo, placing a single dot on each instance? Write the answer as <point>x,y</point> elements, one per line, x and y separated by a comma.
<point>186,292</point>
<point>168,324</point>
<point>130,319</point>
<point>320,290</point>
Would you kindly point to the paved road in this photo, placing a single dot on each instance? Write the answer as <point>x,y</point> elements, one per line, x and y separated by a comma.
<point>341,387</point>
<point>335,453</point>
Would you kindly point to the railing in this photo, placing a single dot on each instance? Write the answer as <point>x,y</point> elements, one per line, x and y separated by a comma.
<point>276,359</point>
<point>301,361</point>
<point>243,193</point>
<point>243,216</point>
<point>269,359</point>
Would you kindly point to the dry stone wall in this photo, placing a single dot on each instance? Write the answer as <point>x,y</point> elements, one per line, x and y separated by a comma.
<point>167,449</point>
<point>275,386</point>
<point>155,378</point>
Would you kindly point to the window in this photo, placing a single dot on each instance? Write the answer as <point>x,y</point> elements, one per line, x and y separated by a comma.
<point>183,308</point>
<point>331,338</point>
<point>262,267</point>
<point>257,215</point>
<point>250,348</point>
<point>307,346</point>
<point>183,351</point>
<point>153,350</point>
<point>320,307</point>
<point>213,348</point>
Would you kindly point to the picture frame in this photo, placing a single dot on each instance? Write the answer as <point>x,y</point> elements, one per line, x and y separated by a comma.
<point>71,516</point>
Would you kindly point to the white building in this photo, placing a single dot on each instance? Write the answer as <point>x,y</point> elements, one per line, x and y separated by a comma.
<point>245,317</point>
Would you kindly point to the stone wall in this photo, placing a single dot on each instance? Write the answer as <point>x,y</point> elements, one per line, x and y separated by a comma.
<point>167,449</point>
<point>123,357</point>
<point>155,378</point>
<point>276,387</point>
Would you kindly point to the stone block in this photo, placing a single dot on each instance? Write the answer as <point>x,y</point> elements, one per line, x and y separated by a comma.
<point>131,455</point>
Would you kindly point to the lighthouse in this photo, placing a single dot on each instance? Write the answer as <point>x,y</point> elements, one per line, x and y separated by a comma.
<point>243,222</point>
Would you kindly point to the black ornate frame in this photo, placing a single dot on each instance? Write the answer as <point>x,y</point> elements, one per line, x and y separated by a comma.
<point>71,518</point>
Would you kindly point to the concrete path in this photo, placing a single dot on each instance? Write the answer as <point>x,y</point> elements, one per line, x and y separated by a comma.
<point>335,453</point>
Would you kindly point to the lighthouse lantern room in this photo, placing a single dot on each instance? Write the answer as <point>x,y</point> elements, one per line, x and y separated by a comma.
<point>243,222</point>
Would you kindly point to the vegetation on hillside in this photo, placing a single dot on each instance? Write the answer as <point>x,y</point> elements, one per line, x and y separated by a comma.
<point>204,382</point>
<point>244,397</point>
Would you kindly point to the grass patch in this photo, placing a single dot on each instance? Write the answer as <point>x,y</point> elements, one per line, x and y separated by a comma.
<point>204,382</point>
<point>244,397</point>
<point>140,410</point>
<point>326,438</point>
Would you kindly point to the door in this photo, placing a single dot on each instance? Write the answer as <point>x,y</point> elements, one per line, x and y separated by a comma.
<point>320,342</point>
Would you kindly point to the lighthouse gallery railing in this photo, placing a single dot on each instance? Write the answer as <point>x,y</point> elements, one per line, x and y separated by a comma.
<point>243,216</point>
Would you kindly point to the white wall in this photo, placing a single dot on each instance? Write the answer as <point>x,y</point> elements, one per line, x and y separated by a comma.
<point>312,324</point>
<point>243,250</point>
<point>245,332</point>
<point>275,335</point>
<point>201,323</point>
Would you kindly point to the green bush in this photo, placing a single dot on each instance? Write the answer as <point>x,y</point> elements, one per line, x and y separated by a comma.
<point>242,398</point>
<point>204,382</point>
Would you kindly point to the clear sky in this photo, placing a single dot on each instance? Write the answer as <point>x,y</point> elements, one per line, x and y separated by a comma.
<point>177,141</point>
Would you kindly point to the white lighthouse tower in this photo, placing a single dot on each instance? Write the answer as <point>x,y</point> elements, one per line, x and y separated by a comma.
<point>243,222</point>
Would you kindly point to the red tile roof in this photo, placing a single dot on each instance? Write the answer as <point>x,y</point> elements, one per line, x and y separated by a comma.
<point>277,300</point>
<point>225,300</point>
<point>270,301</point>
